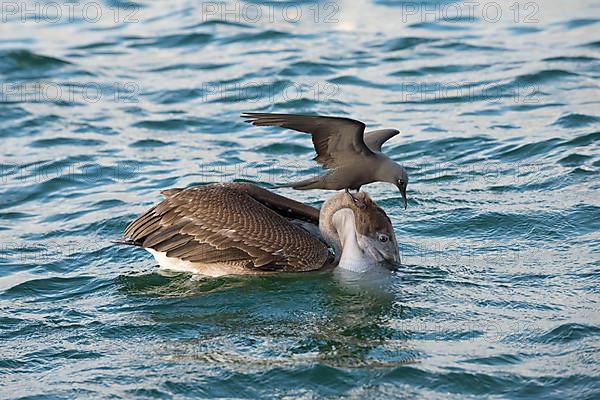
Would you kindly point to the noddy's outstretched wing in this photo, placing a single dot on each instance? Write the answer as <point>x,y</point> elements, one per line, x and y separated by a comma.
<point>336,140</point>
<point>376,139</point>
<point>226,223</point>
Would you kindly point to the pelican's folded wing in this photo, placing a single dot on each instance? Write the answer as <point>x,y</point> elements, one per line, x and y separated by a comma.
<point>284,206</point>
<point>218,223</point>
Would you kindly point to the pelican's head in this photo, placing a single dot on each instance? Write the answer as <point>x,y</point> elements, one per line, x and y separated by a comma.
<point>362,234</point>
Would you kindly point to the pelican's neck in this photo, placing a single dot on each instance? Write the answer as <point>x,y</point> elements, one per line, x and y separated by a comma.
<point>338,228</point>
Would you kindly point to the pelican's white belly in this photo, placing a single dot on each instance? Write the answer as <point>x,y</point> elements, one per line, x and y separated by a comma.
<point>176,264</point>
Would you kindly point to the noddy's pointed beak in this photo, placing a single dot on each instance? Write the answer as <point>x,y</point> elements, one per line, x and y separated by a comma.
<point>402,187</point>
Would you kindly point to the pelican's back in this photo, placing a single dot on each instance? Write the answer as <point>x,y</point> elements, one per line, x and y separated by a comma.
<point>227,229</point>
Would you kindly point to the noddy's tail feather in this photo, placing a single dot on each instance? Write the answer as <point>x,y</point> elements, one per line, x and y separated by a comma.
<point>285,185</point>
<point>311,183</point>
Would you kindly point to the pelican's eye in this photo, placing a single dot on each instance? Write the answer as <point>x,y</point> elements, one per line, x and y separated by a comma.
<point>383,237</point>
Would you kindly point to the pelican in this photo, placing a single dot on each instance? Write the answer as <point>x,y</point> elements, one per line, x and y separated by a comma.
<point>242,229</point>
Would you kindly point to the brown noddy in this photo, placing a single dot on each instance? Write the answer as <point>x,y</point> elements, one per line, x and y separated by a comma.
<point>353,157</point>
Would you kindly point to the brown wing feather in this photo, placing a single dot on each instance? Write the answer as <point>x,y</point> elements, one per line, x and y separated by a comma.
<point>282,205</point>
<point>334,138</point>
<point>217,223</point>
<point>376,139</point>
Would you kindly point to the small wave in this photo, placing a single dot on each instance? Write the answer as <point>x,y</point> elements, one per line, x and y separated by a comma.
<point>95,128</point>
<point>543,76</point>
<point>581,22</point>
<point>582,219</point>
<point>172,284</point>
<point>538,226</point>
<point>434,129</point>
<point>106,204</point>
<point>55,288</point>
<point>25,60</point>
<point>212,23</point>
<point>568,332</point>
<point>584,171</point>
<point>488,112</point>
<point>12,112</point>
<point>575,120</point>
<point>505,126</point>
<point>260,36</point>
<point>462,46</point>
<point>524,30</point>
<point>190,66</point>
<point>595,44</point>
<point>436,26</point>
<point>308,68</point>
<point>169,41</point>
<point>502,359</point>
<point>454,146</point>
<point>513,152</point>
<point>516,305</point>
<point>570,59</point>
<point>149,143</point>
<point>175,96</point>
<point>356,81</point>
<point>64,141</point>
<point>404,43</point>
<point>531,107</point>
<point>441,69</point>
<point>15,215</point>
<point>171,124</point>
<point>573,160</point>
<point>584,140</point>
<point>458,381</point>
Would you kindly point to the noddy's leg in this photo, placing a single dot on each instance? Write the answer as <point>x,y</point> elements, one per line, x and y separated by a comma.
<point>355,199</point>
<point>350,194</point>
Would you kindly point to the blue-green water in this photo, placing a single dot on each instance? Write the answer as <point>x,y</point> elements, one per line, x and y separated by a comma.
<point>499,293</point>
